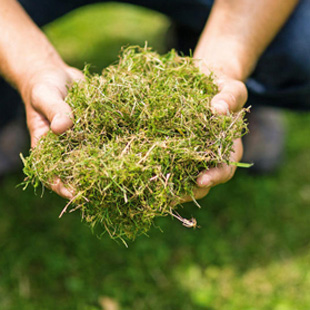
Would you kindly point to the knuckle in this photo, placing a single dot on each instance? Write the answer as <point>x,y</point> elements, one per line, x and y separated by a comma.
<point>242,91</point>
<point>225,174</point>
<point>76,73</point>
<point>220,84</point>
<point>231,99</point>
<point>226,96</point>
<point>37,93</point>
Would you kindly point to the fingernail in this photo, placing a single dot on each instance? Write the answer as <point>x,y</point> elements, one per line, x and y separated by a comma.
<point>220,107</point>
<point>204,181</point>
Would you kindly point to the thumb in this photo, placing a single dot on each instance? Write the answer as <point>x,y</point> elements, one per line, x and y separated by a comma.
<point>75,74</point>
<point>231,97</point>
<point>48,100</point>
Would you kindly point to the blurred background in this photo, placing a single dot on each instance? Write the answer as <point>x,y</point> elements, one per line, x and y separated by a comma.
<point>250,252</point>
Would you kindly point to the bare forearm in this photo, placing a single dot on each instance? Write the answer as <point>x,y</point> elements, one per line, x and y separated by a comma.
<point>24,49</point>
<point>238,31</point>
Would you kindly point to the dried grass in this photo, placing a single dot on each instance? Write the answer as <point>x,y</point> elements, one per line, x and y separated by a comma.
<point>142,133</point>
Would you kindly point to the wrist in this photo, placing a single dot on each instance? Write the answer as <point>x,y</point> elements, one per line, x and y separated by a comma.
<point>226,58</point>
<point>24,48</point>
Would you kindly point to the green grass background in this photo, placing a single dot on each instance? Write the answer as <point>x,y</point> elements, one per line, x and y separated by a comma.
<point>251,252</point>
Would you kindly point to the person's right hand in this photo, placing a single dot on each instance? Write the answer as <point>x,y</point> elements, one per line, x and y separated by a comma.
<point>43,94</point>
<point>231,98</point>
<point>30,63</point>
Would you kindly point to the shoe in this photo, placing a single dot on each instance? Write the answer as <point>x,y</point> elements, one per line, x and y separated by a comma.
<point>264,144</point>
<point>13,140</point>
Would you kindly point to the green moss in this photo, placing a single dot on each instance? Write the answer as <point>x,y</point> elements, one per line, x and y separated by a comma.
<point>142,133</point>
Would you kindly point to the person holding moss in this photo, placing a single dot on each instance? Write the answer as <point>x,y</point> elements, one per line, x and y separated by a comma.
<point>265,44</point>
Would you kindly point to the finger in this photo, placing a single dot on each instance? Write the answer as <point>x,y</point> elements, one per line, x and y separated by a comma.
<point>41,128</point>
<point>198,193</point>
<point>37,124</point>
<point>231,97</point>
<point>76,74</point>
<point>215,176</point>
<point>48,100</point>
<point>58,187</point>
<point>222,173</point>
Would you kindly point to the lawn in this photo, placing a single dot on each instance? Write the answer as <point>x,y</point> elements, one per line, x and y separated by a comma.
<point>251,251</point>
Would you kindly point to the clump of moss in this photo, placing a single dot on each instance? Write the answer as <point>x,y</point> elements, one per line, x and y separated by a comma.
<point>142,133</point>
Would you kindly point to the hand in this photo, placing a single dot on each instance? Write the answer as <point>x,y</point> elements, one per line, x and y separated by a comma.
<point>44,93</point>
<point>234,50</point>
<point>231,98</point>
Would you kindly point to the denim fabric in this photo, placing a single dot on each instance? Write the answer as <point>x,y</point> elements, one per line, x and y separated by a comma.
<point>281,77</point>
<point>190,13</point>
